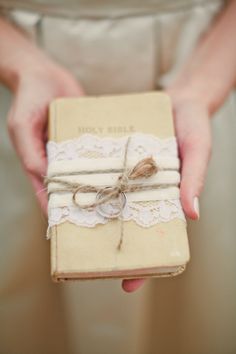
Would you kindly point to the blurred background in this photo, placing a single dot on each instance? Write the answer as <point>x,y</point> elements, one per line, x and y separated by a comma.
<point>118,47</point>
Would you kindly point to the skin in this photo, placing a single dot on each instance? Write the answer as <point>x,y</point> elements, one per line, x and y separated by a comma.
<point>200,89</point>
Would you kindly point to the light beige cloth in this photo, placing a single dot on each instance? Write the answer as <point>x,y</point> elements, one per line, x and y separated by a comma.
<point>113,47</point>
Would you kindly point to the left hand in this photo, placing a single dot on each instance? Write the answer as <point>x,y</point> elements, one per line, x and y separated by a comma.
<point>27,120</point>
<point>192,128</point>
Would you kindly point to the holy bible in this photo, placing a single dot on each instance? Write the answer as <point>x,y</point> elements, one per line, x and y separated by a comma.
<point>103,222</point>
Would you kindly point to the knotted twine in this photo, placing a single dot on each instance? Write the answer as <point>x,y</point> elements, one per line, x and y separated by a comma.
<point>143,169</point>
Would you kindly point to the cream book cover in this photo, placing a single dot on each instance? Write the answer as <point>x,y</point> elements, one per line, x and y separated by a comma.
<point>81,252</point>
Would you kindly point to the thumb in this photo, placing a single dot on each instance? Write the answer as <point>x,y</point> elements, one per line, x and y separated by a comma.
<point>28,134</point>
<point>194,139</point>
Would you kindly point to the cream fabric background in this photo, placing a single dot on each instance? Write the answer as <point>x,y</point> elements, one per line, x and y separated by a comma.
<point>128,48</point>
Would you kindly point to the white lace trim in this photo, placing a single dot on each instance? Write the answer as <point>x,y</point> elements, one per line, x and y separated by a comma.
<point>93,146</point>
<point>144,213</point>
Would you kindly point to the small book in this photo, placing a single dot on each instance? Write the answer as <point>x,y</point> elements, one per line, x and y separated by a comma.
<point>113,177</point>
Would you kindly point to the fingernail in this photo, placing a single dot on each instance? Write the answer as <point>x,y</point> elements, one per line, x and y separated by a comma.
<point>196,206</point>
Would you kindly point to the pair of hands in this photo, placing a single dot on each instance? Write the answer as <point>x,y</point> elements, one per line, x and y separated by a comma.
<point>200,89</point>
<point>27,123</point>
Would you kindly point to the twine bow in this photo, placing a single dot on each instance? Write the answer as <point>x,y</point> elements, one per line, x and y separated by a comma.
<point>143,169</point>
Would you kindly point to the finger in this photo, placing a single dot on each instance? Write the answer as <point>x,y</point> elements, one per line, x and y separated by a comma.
<point>130,285</point>
<point>195,151</point>
<point>195,161</point>
<point>40,192</point>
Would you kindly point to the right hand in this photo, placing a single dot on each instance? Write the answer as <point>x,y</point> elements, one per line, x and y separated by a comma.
<point>27,120</point>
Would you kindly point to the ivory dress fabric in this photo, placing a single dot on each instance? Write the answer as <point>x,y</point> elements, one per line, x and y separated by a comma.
<point>116,47</point>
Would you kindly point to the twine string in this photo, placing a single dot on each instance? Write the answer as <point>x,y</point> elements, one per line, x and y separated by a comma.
<point>143,169</point>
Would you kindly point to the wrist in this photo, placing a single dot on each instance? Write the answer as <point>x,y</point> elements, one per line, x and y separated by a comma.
<point>20,57</point>
<point>184,93</point>
<point>202,90</point>
<point>32,63</point>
